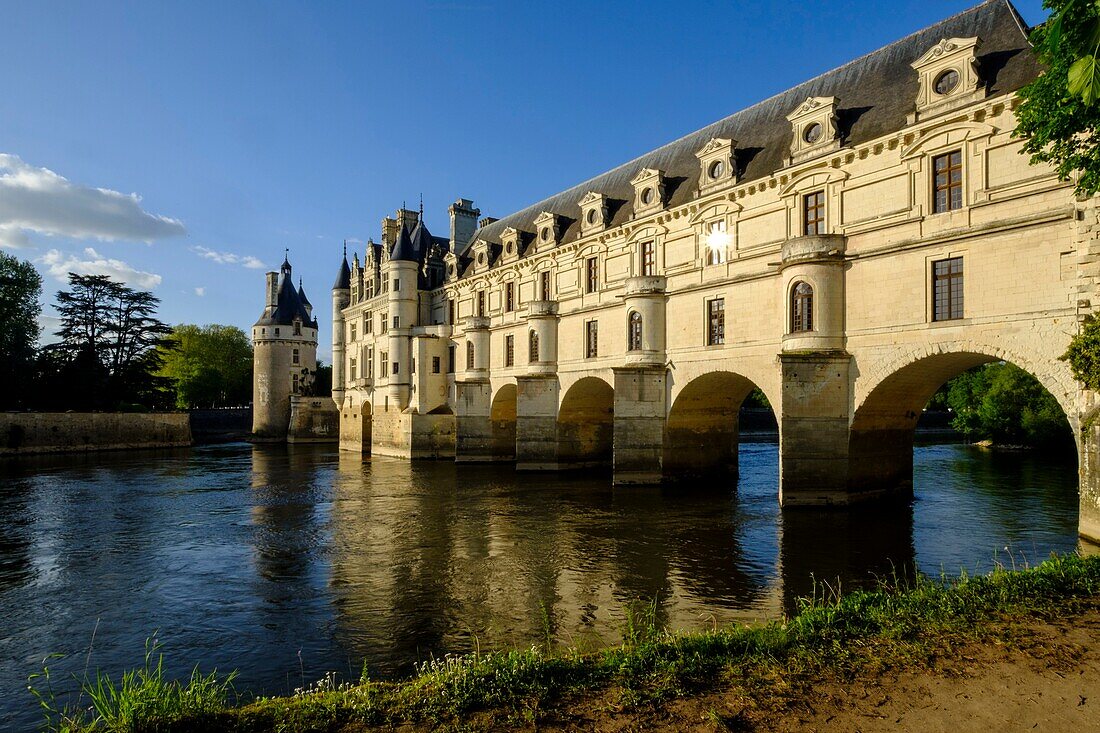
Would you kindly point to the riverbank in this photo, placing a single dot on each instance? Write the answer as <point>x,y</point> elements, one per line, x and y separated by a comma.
<point>893,650</point>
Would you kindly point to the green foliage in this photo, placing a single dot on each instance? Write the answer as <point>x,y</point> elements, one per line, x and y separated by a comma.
<point>142,700</point>
<point>1059,117</point>
<point>20,293</point>
<point>210,366</point>
<point>107,353</point>
<point>1083,354</point>
<point>832,632</point>
<point>1003,403</point>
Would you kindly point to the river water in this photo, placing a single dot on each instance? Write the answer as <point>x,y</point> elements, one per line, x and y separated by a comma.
<point>285,563</point>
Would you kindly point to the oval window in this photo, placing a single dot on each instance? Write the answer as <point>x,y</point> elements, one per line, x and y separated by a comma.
<point>946,82</point>
<point>717,168</point>
<point>647,196</point>
<point>545,234</point>
<point>591,216</point>
<point>812,133</point>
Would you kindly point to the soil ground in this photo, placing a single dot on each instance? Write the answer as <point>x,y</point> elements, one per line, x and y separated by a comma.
<point>1044,676</point>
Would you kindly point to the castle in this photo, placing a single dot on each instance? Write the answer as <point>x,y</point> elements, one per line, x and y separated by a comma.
<point>846,247</point>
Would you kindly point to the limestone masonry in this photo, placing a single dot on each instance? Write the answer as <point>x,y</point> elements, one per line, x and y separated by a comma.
<point>846,246</point>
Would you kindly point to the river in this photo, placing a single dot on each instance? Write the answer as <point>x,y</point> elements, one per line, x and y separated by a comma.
<point>285,563</point>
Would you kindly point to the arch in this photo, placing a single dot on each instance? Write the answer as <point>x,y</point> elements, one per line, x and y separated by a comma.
<point>801,307</point>
<point>502,421</point>
<point>948,133</point>
<point>703,427</point>
<point>586,422</point>
<point>880,442</point>
<point>814,179</point>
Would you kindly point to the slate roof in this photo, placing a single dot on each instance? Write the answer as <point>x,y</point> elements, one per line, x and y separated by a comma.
<point>343,277</point>
<point>874,95</point>
<point>288,304</point>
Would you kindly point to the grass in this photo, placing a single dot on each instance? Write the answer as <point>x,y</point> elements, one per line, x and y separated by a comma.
<point>899,624</point>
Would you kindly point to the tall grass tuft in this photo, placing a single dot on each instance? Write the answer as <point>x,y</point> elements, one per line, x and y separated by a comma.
<point>142,700</point>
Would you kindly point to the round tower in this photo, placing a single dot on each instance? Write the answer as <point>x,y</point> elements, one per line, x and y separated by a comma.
<point>284,354</point>
<point>341,298</point>
<point>403,270</point>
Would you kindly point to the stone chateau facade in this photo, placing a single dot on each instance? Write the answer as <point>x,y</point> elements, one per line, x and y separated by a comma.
<point>846,246</point>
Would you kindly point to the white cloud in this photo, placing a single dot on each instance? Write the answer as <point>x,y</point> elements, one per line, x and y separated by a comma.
<point>200,292</point>
<point>13,237</point>
<point>228,258</point>
<point>38,200</point>
<point>59,265</point>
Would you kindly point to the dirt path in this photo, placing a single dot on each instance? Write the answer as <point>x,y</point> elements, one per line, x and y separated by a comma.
<point>1047,679</point>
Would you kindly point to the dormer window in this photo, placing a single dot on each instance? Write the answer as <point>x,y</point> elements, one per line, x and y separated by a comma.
<point>716,164</point>
<point>814,125</point>
<point>594,212</point>
<point>948,75</point>
<point>297,328</point>
<point>510,241</point>
<point>546,224</point>
<point>649,191</point>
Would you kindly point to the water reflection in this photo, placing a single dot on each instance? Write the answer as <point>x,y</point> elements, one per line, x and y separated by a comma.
<point>286,562</point>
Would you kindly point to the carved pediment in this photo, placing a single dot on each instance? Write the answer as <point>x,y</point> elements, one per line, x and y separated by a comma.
<point>646,174</point>
<point>716,163</point>
<point>944,47</point>
<point>948,75</point>
<point>591,197</point>
<point>814,128</point>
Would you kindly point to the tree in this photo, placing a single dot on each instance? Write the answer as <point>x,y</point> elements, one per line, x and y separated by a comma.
<point>210,366</point>
<point>1003,403</point>
<point>1058,117</point>
<point>108,337</point>
<point>20,293</point>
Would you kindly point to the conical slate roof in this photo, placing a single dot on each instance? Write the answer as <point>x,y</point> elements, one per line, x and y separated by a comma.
<point>302,295</point>
<point>343,277</point>
<point>290,304</point>
<point>403,248</point>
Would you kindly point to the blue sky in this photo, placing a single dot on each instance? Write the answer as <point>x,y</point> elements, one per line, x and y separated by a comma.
<point>242,128</point>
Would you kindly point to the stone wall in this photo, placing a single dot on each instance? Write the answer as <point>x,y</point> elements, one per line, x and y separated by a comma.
<point>64,432</point>
<point>313,420</point>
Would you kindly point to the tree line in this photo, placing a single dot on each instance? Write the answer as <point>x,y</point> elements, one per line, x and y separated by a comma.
<point>111,352</point>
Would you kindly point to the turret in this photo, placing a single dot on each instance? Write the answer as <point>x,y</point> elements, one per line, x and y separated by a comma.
<point>341,298</point>
<point>403,271</point>
<point>285,354</point>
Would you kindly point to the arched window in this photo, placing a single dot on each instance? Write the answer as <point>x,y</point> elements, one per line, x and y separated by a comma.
<point>533,347</point>
<point>802,307</point>
<point>469,354</point>
<point>635,341</point>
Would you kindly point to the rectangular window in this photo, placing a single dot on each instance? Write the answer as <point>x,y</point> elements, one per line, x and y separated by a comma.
<point>297,328</point>
<point>532,347</point>
<point>295,358</point>
<point>396,284</point>
<point>648,258</point>
<point>352,366</point>
<point>948,184</point>
<point>294,384</point>
<point>368,323</point>
<point>353,332</point>
<point>384,357</point>
<point>276,331</point>
<point>451,359</point>
<point>591,340</point>
<point>435,365</point>
<point>369,371</point>
<point>813,213</point>
<point>450,312</point>
<point>509,297</point>
<point>716,322</point>
<point>395,367</point>
<point>716,242</point>
<point>413,366</point>
<point>481,303</point>
<point>469,354</point>
<point>947,289</point>
<point>509,350</point>
<point>397,321</point>
<point>591,275</point>
<point>544,282</point>
<point>383,323</point>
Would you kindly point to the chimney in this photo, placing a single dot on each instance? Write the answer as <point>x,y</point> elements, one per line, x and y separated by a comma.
<point>408,218</point>
<point>272,289</point>
<point>463,223</point>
